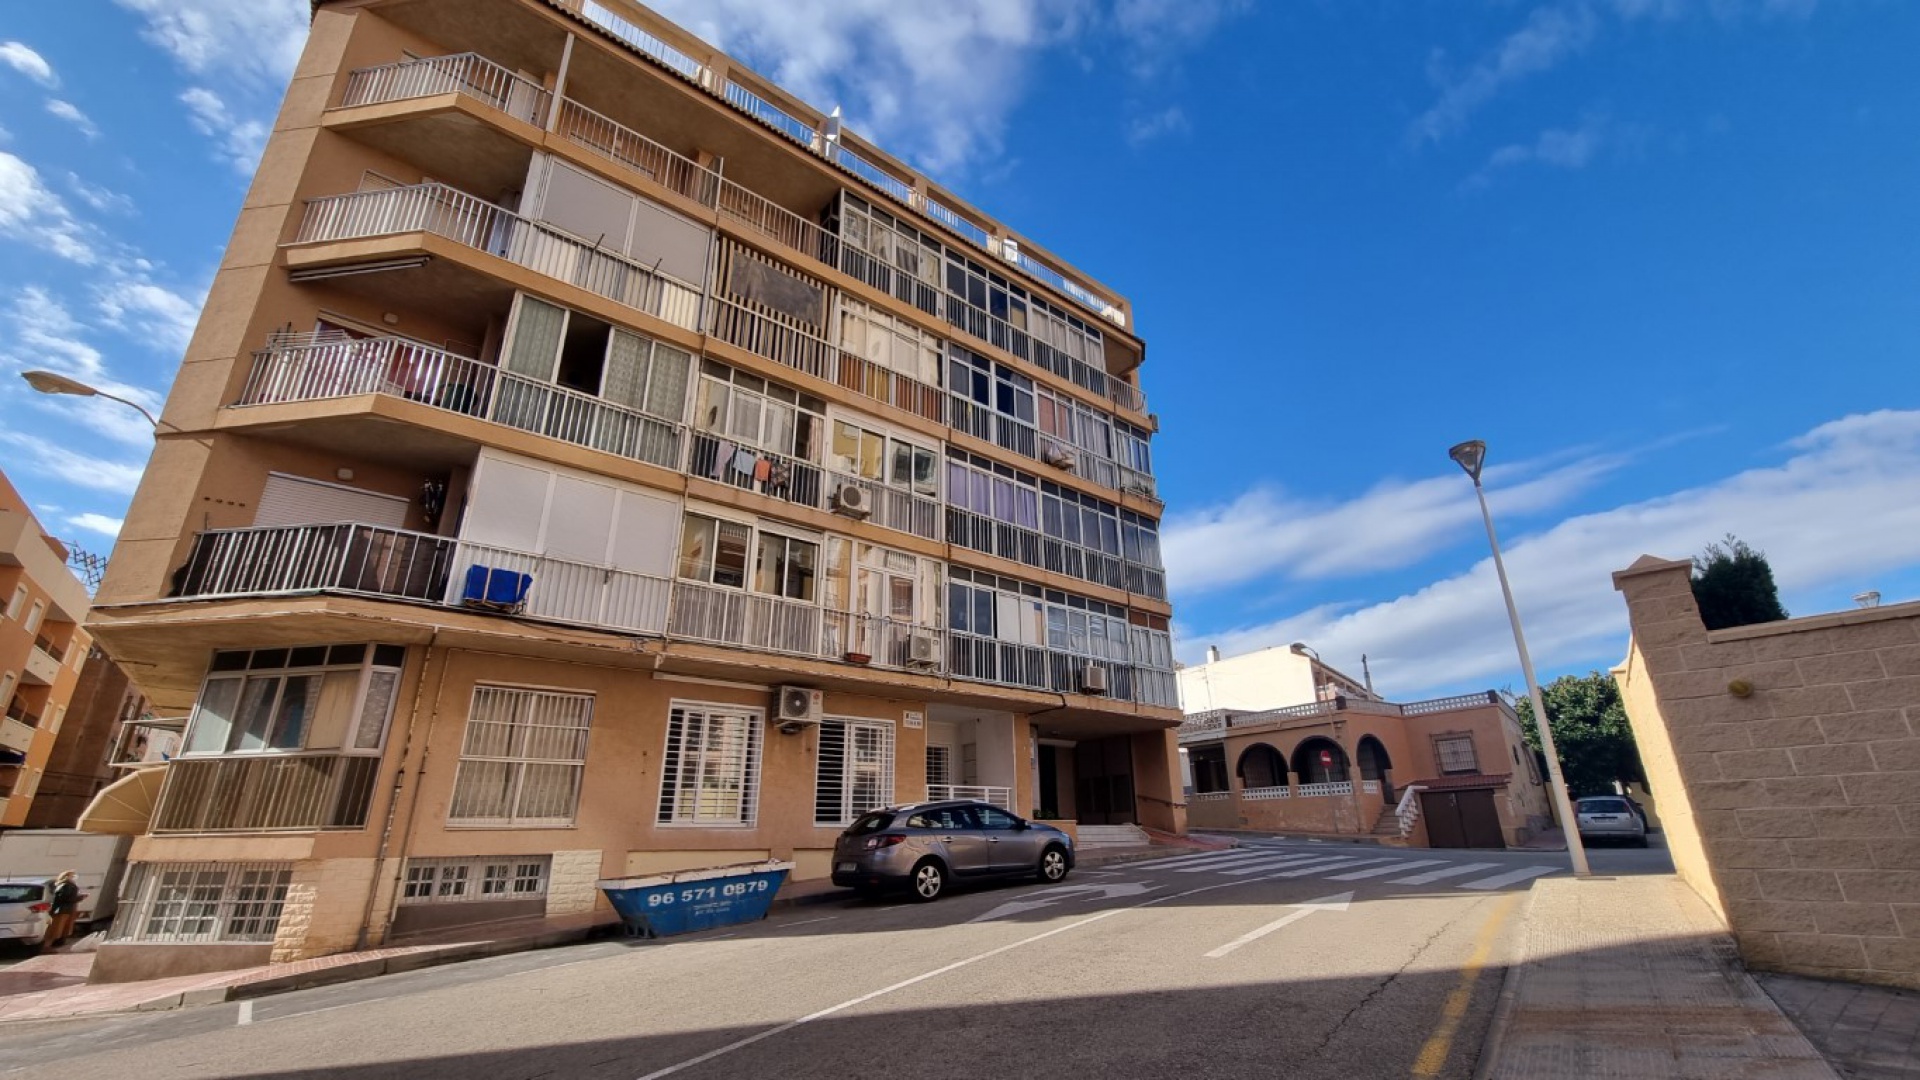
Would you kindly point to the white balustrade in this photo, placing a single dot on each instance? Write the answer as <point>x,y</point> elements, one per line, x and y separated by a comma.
<point>1320,791</point>
<point>1279,791</point>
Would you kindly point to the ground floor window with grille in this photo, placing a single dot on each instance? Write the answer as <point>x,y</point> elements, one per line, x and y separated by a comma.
<point>1456,754</point>
<point>452,881</point>
<point>854,773</point>
<point>710,774</point>
<point>522,759</point>
<point>203,902</point>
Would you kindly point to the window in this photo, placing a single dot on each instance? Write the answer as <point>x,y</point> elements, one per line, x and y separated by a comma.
<point>710,774</point>
<point>714,551</point>
<point>992,490</point>
<point>319,697</point>
<point>7,682</point>
<point>758,414</point>
<point>551,344</point>
<point>889,342</point>
<point>203,902</point>
<point>503,877</point>
<point>522,759</point>
<point>1455,753</point>
<point>989,606</point>
<point>873,455</point>
<point>939,765</point>
<point>786,567</point>
<point>18,604</point>
<point>854,772</point>
<point>33,617</point>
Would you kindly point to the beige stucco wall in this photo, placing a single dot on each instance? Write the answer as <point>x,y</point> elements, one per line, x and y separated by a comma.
<point>1787,762</point>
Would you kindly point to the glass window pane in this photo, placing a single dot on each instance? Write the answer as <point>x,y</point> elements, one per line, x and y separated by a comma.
<point>256,714</point>
<point>730,555</point>
<point>213,716</point>
<point>696,548</point>
<point>376,709</point>
<point>298,703</point>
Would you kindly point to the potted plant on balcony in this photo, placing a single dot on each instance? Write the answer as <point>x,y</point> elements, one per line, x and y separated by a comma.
<point>858,657</point>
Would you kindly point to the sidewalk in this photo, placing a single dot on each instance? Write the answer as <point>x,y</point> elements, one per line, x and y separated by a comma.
<point>1635,977</point>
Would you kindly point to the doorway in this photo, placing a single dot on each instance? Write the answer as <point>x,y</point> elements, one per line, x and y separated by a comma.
<point>1461,819</point>
<point>1103,781</point>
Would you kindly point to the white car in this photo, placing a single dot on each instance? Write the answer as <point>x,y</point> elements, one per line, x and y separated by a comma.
<point>1610,817</point>
<point>26,904</point>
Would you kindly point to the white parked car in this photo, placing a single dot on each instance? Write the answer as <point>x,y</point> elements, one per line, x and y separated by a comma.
<point>26,905</point>
<point>1610,817</point>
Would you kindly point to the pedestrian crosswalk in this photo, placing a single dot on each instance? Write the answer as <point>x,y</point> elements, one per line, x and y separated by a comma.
<point>1349,864</point>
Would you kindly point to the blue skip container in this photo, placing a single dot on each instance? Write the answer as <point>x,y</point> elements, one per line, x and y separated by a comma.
<point>659,905</point>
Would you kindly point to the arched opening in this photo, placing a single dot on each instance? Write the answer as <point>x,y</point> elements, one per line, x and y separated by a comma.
<point>1320,761</point>
<point>1375,764</point>
<point>1209,768</point>
<point>1261,766</point>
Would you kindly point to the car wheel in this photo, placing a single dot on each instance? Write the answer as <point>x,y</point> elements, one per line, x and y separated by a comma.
<point>1053,864</point>
<point>929,880</point>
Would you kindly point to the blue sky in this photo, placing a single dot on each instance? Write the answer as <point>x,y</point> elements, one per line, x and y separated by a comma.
<point>1659,253</point>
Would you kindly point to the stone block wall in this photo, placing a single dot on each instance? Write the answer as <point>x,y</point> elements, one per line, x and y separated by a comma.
<point>570,882</point>
<point>1787,759</point>
<point>324,910</point>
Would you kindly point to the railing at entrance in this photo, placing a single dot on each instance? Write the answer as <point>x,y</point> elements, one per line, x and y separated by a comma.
<point>1408,812</point>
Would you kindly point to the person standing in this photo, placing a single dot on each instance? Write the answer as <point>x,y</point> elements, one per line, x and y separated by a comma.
<point>66,904</point>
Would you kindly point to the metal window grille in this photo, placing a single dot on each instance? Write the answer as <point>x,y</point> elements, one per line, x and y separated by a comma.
<point>522,760</point>
<point>1456,754</point>
<point>854,770</point>
<point>448,881</point>
<point>710,774</point>
<point>203,902</point>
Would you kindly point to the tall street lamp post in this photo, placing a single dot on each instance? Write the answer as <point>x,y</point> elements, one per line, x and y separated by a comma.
<point>48,382</point>
<point>1470,456</point>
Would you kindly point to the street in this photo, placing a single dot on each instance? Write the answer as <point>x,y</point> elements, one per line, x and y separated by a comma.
<point>1279,957</point>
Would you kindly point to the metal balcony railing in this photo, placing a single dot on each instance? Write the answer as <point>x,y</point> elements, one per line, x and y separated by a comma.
<point>822,359</point>
<point>977,532</point>
<point>343,557</point>
<point>763,472</point>
<point>468,74</point>
<point>584,594</point>
<point>475,223</point>
<point>750,620</point>
<point>306,369</point>
<point>266,792</point>
<point>624,146</point>
<point>47,645</point>
<point>892,508</point>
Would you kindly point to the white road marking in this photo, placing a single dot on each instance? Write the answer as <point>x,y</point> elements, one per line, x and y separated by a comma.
<point>1290,862</point>
<point>1432,876</point>
<point>1178,860</point>
<point>1390,868</point>
<point>1326,903</point>
<point>1263,859</point>
<point>246,1014</point>
<point>804,922</point>
<point>1219,857</point>
<point>1324,867</point>
<point>1513,878</point>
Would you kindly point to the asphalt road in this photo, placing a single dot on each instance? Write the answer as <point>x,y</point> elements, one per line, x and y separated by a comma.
<point>1294,959</point>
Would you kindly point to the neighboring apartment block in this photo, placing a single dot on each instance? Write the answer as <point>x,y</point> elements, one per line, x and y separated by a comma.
<point>1273,739</point>
<point>592,460</point>
<point>42,651</point>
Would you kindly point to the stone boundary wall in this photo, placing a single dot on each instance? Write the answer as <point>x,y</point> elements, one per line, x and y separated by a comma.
<point>1787,760</point>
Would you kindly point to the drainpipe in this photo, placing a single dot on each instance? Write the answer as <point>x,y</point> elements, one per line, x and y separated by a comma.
<point>399,780</point>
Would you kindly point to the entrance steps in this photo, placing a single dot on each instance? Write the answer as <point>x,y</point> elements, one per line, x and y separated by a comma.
<point>1388,824</point>
<point>1095,837</point>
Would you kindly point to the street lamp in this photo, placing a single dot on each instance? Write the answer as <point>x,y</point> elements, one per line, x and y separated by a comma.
<point>47,382</point>
<point>1470,456</point>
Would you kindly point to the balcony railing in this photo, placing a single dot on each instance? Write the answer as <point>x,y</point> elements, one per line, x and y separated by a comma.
<point>769,114</point>
<point>637,39</point>
<point>373,560</point>
<point>469,74</point>
<point>475,223</point>
<point>1001,797</point>
<point>761,471</point>
<point>1023,545</point>
<point>266,792</point>
<point>343,557</point>
<point>16,732</point>
<point>873,174</point>
<point>820,358</point>
<point>902,511</point>
<point>50,647</point>
<point>624,146</point>
<point>311,370</point>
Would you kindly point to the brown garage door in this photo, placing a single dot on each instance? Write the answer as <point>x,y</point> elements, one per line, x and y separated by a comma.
<point>1461,819</point>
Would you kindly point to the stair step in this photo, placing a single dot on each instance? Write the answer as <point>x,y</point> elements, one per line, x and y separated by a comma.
<point>1112,836</point>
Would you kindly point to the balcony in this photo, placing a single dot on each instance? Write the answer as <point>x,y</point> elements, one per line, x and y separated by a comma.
<point>304,368</point>
<point>467,74</point>
<point>344,557</point>
<point>16,732</point>
<point>976,532</point>
<point>442,211</point>
<point>42,667</point>
<point>267,792</point>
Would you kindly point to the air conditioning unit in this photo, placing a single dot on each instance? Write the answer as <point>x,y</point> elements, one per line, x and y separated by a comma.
<point>796,707</point>
<point>1093,679</point>
<point>923,650</point>
<point>1057,456</point>
<point>852,501</point>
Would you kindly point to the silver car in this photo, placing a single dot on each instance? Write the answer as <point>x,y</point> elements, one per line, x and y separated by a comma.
<point>1610,817</point>
<point>25,909</point>
<point>925,847</point>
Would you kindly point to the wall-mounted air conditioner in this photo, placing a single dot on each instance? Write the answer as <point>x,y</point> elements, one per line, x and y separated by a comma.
<point>1093,679</point>
<point>797,706</point>
<point>852,501</point>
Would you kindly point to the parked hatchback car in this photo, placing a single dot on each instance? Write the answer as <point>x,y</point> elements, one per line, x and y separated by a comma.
<point>25,909</point>
<point>926,847</point>
<point>1610,817</point>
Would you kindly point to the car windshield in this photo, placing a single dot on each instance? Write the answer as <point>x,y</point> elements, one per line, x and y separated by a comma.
<point>1603,806</point>
<point>19,894</point>
<point>870,823</point>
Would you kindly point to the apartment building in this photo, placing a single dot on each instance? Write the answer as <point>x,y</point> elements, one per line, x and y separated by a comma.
<point>593,460</point>
<point>1273,740</point>
<point>103,712</point>
<point>42,651</point>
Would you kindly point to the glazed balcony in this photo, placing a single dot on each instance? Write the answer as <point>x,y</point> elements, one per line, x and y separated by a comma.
<point>438,210</point>
<point>977,532</point>
<point>267,792</point>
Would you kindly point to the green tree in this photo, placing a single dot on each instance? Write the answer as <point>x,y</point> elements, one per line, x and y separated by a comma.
<point>1734,586</point>
<point>1590,730</point>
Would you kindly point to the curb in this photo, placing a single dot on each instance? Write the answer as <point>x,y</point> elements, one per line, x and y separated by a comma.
<point>1506,1003</point>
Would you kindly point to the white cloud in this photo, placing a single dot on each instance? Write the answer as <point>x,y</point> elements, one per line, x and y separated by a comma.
<point>31,212</point>
<point>97,523</point>
<point>1396,524</point>
<point>102,199</point>
<point>68,111</point>
<point>255,40</point>
<point>161,316</point>
<point>1169,121</point>
<point>1550,35</point>
<point>44,334</point>
<point>238,141</point>
<point>1158,32</point>
<point>18,56</point>
<point>1559,148</point>
<point>81,470</point>
<point>1839,509</point>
